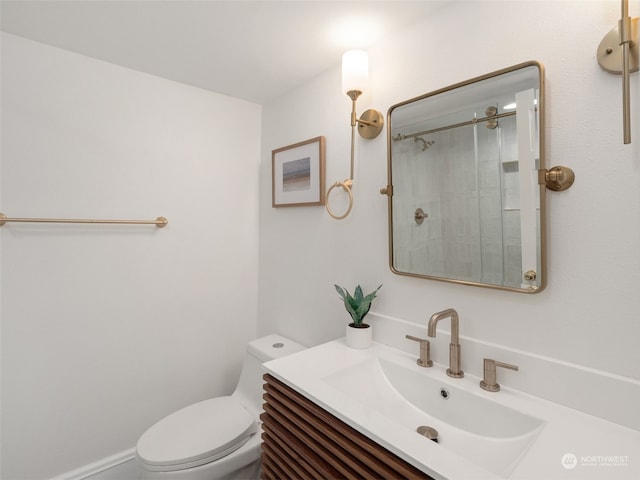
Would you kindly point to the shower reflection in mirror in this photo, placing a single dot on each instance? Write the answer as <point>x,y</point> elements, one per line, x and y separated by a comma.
<point>468,156</point>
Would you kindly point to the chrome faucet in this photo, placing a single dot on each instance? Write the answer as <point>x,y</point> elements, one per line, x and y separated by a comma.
<point>454,347</point>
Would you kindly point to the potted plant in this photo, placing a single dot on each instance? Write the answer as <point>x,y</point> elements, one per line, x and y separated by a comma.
<point>359,334</point>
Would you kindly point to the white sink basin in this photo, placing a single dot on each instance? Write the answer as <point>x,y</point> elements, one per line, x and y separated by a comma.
<point>382,393</point>
<point>490,435</point>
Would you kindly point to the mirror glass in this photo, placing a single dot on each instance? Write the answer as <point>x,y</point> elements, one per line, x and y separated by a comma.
<point>465,204</point>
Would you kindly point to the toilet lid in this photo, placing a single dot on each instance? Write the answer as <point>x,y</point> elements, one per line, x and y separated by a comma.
<point>197,434</point>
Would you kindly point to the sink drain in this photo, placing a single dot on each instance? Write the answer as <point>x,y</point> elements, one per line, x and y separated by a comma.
<point>429,432</point>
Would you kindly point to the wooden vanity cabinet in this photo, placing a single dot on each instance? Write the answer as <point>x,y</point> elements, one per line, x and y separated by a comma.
<point>302,441</point>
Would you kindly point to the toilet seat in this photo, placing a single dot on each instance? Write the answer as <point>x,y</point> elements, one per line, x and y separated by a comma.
<point>196,435</point>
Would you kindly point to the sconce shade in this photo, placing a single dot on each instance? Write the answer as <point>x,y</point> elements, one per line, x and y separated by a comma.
<point>355,70</point>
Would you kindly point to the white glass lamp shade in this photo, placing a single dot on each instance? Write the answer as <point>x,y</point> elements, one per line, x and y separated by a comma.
<point>355,70</point>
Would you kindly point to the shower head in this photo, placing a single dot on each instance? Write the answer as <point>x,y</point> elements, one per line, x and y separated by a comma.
<point>425,143</point>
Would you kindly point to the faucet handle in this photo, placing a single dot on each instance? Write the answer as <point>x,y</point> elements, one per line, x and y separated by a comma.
<point>425,351</point>
<point>489,382</point>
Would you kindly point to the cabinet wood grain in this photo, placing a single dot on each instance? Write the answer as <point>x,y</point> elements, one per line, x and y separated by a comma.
<point>301,441</point>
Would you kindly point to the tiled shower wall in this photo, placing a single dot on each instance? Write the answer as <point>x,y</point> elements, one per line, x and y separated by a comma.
<point>466,182</point>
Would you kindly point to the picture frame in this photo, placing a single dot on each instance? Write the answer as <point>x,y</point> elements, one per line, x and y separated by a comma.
<point>298,174</point>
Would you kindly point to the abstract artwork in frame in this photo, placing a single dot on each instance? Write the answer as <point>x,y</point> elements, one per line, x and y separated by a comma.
<point>298,174</point>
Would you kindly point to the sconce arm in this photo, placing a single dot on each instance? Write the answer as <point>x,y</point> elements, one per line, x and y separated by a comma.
<point>624,24</point>
<point>618,53</point>
<point>365,122</point>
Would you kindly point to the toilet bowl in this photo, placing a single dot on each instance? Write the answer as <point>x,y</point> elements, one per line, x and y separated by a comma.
<point>218,438</point>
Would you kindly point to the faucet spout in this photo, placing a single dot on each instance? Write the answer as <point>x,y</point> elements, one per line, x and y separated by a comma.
<point>455,324</point>
<point>454,369</point>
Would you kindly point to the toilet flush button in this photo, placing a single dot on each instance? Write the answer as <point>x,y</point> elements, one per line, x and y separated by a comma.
<point>278,345</point>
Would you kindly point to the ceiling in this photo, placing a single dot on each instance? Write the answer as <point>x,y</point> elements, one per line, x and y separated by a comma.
<point>254,50</point>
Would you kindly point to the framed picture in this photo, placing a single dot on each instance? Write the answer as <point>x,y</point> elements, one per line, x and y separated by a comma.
<point>298,174</point>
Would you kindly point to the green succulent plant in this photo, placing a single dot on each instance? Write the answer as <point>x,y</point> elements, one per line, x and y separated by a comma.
<point>358,304</point>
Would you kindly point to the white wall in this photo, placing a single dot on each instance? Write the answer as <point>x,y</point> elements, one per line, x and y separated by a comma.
<point>106,329</point>
<point>588,313</point>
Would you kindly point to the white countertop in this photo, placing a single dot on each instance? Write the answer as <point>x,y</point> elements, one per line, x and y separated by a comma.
<point>571,445</point>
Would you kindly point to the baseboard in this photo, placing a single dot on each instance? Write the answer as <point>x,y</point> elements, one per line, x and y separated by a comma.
<point>120,466</point>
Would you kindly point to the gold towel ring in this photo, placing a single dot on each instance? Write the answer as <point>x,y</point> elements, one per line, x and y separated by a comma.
<point>346,185</point>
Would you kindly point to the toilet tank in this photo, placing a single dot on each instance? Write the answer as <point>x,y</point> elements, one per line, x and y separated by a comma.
<point>270,347</point>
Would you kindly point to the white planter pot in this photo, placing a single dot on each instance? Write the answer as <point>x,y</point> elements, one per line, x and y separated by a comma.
<point>359,337</point>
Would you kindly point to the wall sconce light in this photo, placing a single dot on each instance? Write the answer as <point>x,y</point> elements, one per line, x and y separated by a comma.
<point>618,54</point>
<point>355,74</point>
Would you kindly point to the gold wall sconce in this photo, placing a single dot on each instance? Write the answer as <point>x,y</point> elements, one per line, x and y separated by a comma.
<point>618,54</point>
<point>355,74</point>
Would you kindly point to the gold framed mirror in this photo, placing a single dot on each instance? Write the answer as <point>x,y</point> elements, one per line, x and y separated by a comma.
<point>465,194</point>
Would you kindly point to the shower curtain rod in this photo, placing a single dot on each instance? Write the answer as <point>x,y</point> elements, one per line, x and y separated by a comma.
<point>160,222</point>
<point>455,125</point>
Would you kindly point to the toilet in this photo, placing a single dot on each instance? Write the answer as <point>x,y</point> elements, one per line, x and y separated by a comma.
<point>218,438</point>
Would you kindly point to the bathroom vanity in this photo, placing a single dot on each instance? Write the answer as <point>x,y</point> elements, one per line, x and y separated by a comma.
<point>336,412</point>
<point>303,441</point>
